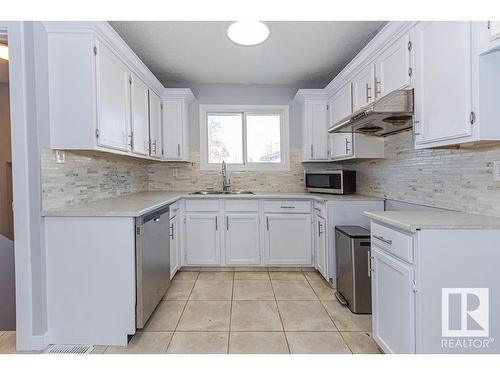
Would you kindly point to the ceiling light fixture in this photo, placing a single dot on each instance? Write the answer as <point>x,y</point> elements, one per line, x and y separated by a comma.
<point>4,52</point>
<point>248,33</point>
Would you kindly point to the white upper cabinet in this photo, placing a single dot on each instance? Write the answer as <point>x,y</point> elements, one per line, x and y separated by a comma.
<point>113,99</point>
<point>139,93</point>
<point>443,83</point>
<point>314,115</point>
<point>392,67</point>
<point>155,125</point>
<point>98,90</point>
<point>344,146</point>
<point>340,104</point>
<point>363,88</point>
<point>175,123</point>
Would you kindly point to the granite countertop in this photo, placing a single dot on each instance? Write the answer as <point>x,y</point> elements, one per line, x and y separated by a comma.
<point>138,204</point>
<point>411,221</point>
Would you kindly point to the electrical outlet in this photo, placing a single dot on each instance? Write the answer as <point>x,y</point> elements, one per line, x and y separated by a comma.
<point>175,171</point>
<point>60,157</point>
<point>496,171</point>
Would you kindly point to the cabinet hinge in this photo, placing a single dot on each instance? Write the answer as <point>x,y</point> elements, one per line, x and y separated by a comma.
<point>327,107</point>
<point>472,118</point>
<point>410,71</point>
<point>185,257</point>
<point>130,80</point>
<point>489,25</point>
<point>161,106</point>
<point>97,133</point>
<point>162,151</point>
<point>409,45</point>
<point>414,287</point>
<point>95,50</point>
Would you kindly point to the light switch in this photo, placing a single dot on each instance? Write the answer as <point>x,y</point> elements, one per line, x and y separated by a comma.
<point>496,171</point>
<point>60,157</point>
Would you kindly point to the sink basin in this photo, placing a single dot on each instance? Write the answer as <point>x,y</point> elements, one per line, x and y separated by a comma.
<point>210,192</point>
<point>207,192</point>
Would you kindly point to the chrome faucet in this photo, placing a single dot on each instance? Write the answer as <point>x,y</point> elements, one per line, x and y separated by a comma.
<point>226,182</point>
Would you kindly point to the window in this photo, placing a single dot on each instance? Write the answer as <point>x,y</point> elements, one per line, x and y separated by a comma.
<point>245,137</point>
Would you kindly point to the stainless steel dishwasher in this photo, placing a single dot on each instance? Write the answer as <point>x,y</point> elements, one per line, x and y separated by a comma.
<point>152,262</point>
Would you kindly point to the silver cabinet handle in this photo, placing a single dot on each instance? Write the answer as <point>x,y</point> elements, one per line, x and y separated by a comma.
<point>378,86</point>
<point>267,222</point>
<point>369,263</point>
<point>319,229</point>
<point>312,150</point>
<point>227,222</point>
<point>216,223</point>
<point>380,238</point>
<point>368,89</point>
<point>172,231</point>
<point>347,149</point>
<point>178,149</point>
<point>287,206</point>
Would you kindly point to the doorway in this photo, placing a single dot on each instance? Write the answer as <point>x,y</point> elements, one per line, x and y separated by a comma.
<point>7,274</point>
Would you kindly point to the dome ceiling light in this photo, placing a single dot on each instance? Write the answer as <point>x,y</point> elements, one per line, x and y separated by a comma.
<point>248,33</point>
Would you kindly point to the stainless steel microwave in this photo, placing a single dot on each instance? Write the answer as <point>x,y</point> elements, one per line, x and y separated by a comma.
<point>331,182</point>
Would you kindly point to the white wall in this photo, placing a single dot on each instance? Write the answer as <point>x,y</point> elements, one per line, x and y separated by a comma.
<point>243,94</point>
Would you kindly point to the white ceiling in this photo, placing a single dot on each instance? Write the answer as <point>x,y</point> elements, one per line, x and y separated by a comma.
<point>304,53</point>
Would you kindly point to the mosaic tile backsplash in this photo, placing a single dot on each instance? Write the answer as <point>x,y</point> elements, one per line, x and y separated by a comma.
<point>88,176</point>
<point>453,179</point>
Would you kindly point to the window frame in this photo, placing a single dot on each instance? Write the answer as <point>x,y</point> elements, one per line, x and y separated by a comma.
<point>282,110</point>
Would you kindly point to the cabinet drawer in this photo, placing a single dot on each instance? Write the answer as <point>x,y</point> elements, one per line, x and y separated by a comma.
<point>202,205</point>
<point>290,206</point>
<point>393,241</point>
<point>241,205</point>
<point>320,209</point>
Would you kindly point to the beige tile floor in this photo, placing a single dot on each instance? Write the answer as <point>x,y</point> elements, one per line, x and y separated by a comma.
<point>246,310</point>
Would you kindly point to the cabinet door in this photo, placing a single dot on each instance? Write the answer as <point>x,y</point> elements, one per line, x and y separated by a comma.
<point>393,304</point>
<point>392,67</point>
<point>316,117</point>
<point>443,94</point>
<point>320,246</point>
<point>288,239</point>
<point>172,129</point>
<point>242,239</point>
<point>341,145</point>
<point>174,246</point>
<point>140,115</point>
<point>155,125</point>
<point>494,27</point>
<point>202,238</point>
<point>113,100</point>
<point>362,86</point>
<point>340,104</point>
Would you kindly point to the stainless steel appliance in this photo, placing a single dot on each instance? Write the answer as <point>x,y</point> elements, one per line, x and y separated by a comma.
<point>352,245</point>
<point>389,115</point>
<point>152,254</point>
<point>331,182</point>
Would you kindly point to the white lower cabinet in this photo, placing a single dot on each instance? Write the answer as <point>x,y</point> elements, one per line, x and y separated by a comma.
<point>288,239</point>
<point>393,303</point>
<point>242,242</point>
<point>175,260</point>
<point>320,246</point>
<point>202,233</point>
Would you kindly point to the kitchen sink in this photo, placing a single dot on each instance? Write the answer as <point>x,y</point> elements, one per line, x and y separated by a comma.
<point>210,192</point>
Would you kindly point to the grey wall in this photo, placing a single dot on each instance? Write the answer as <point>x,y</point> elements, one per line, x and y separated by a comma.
<point>243,94</point>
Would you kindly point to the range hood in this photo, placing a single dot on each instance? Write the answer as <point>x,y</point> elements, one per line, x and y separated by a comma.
<point>389,115</point>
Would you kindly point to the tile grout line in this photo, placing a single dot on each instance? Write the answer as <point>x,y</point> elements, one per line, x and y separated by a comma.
<point>323,306</point>
<point>345,342</point>
<point>279,314</point>
<point>230,317</point>
<point>182,313</point>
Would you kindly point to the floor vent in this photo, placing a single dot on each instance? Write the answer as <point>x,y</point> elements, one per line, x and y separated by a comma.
<point>69,349</point>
